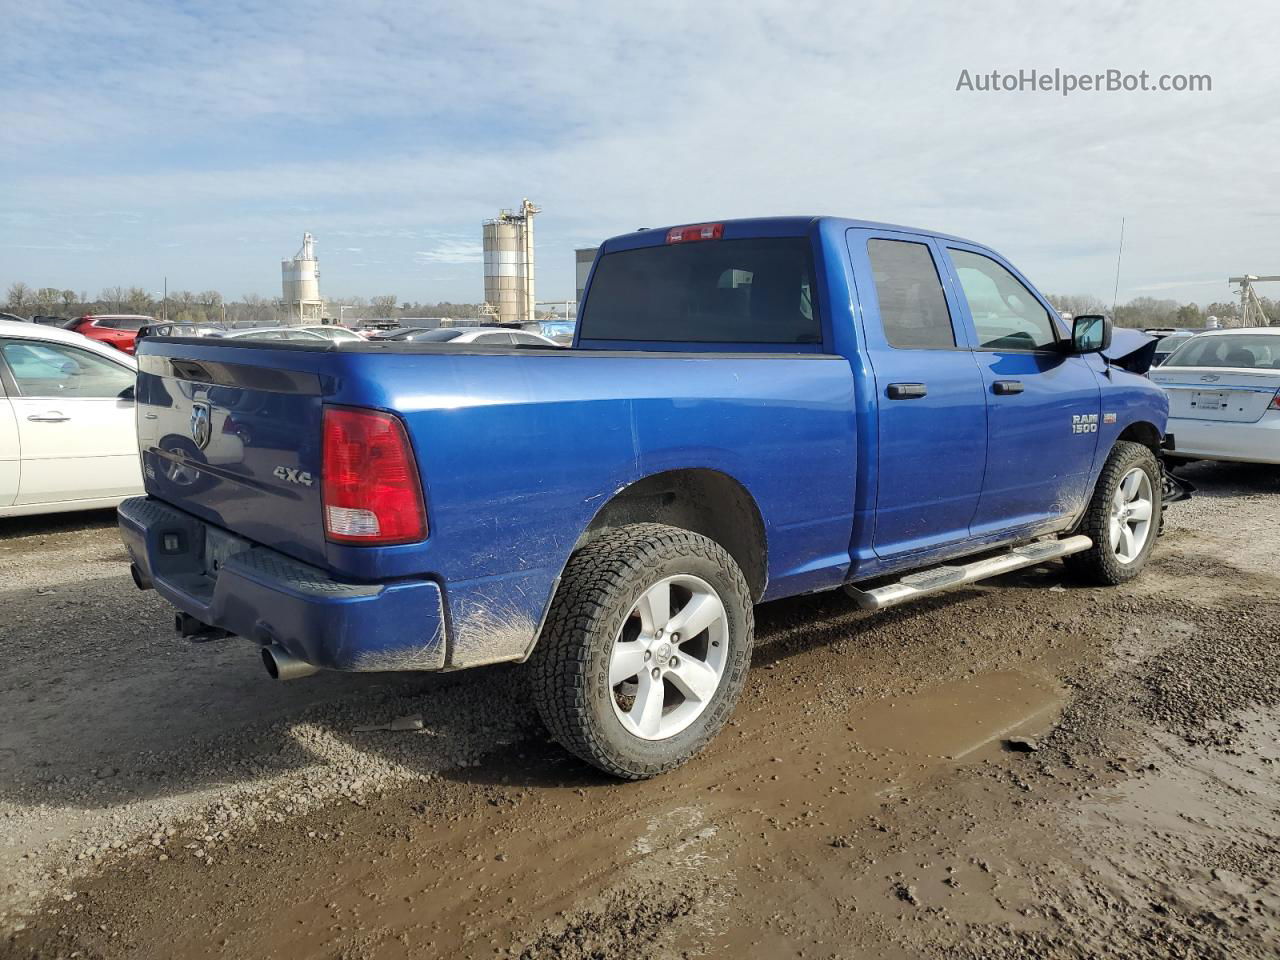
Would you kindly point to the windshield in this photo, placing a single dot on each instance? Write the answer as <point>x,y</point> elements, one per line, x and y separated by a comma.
<point>1170,344</point>
<point>1250,351</point>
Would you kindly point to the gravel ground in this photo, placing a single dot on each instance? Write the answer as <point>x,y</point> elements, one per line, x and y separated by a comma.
<point>1026,768</point>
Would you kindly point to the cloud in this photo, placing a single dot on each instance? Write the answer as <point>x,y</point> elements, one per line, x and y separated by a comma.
<point>451,250</point>
<point>397,127</point>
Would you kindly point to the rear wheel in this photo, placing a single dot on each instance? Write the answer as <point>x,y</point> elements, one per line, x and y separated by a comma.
<point>1123,517</point>
<point>645,650</point>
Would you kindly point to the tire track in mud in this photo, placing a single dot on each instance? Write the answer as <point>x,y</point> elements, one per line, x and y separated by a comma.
<point>795,833</point>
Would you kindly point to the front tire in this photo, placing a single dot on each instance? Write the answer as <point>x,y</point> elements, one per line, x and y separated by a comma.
<point>645,651</point>
<point>1123,517</point>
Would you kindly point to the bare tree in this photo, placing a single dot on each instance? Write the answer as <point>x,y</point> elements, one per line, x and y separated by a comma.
<point>139,300</point>
<point>19,295</point>
<point>214,307</point>
<point>384,306</point>
<point>1077,304</point>
<point>257,308</point>
<point>114,297</point>
<point>69,300</point>
<point>47,299</point>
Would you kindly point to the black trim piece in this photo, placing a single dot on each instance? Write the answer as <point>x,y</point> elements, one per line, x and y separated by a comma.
<point>218,373</point>
<point>1007,388</point>
<point>1054,351</point>
<point>1173,489</point>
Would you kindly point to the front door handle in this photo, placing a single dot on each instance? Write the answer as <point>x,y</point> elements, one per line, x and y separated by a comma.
<point>1005,388</point>
<point>906,391</point>
<point>53,416</point>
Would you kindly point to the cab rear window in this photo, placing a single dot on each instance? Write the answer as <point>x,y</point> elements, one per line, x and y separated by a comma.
<point>718,291</point>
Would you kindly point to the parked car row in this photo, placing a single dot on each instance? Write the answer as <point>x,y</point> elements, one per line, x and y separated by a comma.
<point>1223,385</point>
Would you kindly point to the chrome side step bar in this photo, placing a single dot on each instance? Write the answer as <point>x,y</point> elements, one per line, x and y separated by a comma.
<point>934,580</point>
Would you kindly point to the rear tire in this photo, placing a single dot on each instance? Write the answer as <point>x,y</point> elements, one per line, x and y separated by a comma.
<point>1123,517</point>
<point>619,608</point>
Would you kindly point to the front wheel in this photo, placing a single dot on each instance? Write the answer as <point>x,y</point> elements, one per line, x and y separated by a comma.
<point>645,650</point>
<point>1123,517</point>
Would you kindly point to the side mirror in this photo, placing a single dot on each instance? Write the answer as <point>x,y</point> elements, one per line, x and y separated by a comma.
<point>1090,333</point>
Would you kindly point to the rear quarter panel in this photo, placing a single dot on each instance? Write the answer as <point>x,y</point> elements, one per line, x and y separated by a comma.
<point>518,452</point>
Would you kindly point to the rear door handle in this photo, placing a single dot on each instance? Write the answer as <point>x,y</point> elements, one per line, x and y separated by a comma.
<point>1006,388</point>
<point>53,416</point>
<point>906,391</point>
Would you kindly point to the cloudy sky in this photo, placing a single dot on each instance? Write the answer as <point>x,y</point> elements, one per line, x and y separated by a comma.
<point>140,140</point>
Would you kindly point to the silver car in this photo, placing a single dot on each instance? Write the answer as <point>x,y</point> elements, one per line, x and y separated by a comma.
<point>491,336</point>
<point>272,333</point>
<point>331,332</point>
<point>1224,396</point>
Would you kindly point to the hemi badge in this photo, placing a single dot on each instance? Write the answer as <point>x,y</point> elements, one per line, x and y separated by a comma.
<point>1108,418</point>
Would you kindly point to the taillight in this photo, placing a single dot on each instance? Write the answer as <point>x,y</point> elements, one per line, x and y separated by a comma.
<point>370,485</point>
<point>695,231</point>
<point>1275,401</point>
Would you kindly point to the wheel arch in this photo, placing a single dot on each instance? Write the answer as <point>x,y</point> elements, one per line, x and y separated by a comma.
<point>1143,432</point>
<point>699,499</point>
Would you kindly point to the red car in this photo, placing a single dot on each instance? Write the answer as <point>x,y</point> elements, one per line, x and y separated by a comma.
<point>119,330</point>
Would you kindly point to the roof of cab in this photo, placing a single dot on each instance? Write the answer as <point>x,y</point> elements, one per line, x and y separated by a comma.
<point>766,227</point>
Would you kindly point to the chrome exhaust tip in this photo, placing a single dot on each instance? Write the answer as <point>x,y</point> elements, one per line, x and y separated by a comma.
<point>137,577</point>
<point>282,665</point>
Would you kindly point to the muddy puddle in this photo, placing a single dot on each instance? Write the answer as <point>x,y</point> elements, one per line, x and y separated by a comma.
<point>558,862</point>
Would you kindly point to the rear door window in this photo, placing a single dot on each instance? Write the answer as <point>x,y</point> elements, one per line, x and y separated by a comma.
<point>913,308</point>
<point>1006,315</point>
<point>758,290</point>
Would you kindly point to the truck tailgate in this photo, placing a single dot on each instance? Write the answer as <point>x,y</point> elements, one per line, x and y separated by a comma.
<point>237,443</point>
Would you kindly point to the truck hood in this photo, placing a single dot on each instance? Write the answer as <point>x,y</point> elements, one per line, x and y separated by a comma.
<point>1131,349</point>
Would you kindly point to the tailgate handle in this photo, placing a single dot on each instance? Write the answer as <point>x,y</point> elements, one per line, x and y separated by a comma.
<point>190,370</point>
<point>907,391</point>
<point>1007,388</point>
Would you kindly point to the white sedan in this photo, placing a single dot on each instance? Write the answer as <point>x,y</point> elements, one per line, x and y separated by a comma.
<point>67,434</point>
<point>1224,396</point>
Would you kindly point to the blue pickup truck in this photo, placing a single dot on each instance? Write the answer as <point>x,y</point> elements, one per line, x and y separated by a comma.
<point>750,410</point>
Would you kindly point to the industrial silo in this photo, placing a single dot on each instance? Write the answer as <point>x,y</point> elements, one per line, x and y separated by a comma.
<point>300,280</point>
<point>509,264</point>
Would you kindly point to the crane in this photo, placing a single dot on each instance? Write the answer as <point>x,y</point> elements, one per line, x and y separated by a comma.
<point>1251,312</point>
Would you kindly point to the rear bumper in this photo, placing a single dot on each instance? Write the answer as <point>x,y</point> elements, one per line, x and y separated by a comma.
<point>1257,442</point>
<point>261,594</point>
